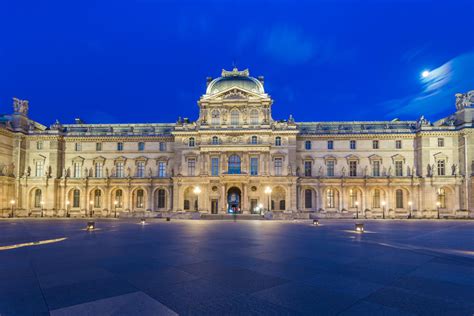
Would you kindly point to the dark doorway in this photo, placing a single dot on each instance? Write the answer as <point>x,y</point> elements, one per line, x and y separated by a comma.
<point>233,201</point>
<point>214,206</point>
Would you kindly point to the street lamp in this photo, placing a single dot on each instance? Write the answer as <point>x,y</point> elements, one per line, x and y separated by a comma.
<point>357,209</point>
<point>197,191</point>
<point>260,208</point>
<point>383,209</point>
<point>268,191</point>
<point>410,205</point>
<point>12,202</point>
<point>42,207</point>
<point>90,211</point>
<point>115,208</point>
<point>438,204</point>
<point>67,208</point>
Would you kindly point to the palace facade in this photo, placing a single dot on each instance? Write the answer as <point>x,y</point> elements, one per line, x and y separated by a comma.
<point>236,158</point>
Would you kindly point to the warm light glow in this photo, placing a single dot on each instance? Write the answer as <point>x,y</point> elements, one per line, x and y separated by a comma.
<point>383,203</point>
<point>115,202</point>
<point>197,190</point>
<point>438,204</point>
<point>42,202</point>
<point>91,202</point>
<point>12,202</point>
<point>268,190</point>
<point>425,74</point>
<point>67,202</point>
<point>410,203</point>
<point>359,228</point>
<point>260,205</point>
<point>357,203</point>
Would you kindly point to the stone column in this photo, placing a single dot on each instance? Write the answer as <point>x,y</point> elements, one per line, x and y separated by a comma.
<point>223,199</point>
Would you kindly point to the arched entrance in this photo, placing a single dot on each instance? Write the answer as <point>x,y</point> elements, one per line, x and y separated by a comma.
<point>234,201</point>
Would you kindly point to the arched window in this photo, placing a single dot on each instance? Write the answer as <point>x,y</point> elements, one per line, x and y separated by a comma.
<point>278,141</point>
<point>376,199</point>
<point>118,198</point>
<point>215,140</point>
<point>76,198</point>
<point>282,205</point>
<point>399,198</point>
<point>442,198</point>
<point>308,198</point>
<point>234,164</point>
<point>234,117</point>
<point>330,198</point>
<point>215,117</point>
<point>191,142</point>
<point>38,198</point>
<point>307,145</point>
<point>254,117</point>
<point>97,198</point>
<point>352,198</point>
<point>140,199</point>
<point>253,140</point>
<point>161,198</point>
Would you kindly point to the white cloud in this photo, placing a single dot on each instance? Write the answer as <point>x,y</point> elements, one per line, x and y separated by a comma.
<point>439,88</point>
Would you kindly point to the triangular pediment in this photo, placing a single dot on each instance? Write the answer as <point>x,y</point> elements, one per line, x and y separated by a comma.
<point>398,157</point>
<point>235,93</point>
<point>375,157</point>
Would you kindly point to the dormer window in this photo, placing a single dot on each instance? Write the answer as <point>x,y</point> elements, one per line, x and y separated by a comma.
<point>191,142</point>
<point>278,141</point>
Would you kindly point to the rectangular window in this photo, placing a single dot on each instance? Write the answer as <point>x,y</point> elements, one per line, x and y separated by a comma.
<point>440,142</point>
<point>330,168</point>
<point>161,169</point>
<point>162,146</point>
<point>307,168</point>
<point>98,146</point>
<point>186,205</point>
<point>140,169</point>
<point>278,166</point>
<point>214,166</point>
<point>119,146</point>
<point>119,169</point>
<point>398,144</point>
<point>330,144</point>
<point>399,168</point>
<point>77,170</point>
<point>353,168</point>
<point>191,167</point>
<point>253,166</point>
<point>77,146</point>
<point>39,168</point>
<point>141,146</point>
<point>39,145</point>
<point>352,144</point>
<point>376,168</point>
<point>441,167</point>
<point>375,144</point>
<point>98,170</point>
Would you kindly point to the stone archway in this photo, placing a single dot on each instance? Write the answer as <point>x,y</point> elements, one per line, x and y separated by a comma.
<point>234,200</point>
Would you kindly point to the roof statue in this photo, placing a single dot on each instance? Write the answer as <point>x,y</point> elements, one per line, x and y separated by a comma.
<point>235,73</point>
<point>20,106</point>
<point>464,100</point>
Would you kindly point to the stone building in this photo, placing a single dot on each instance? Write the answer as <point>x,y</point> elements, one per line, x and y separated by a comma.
<point>236,158</point>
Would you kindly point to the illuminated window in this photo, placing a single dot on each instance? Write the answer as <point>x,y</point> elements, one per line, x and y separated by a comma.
<point>39,145</point>
<point>441,167</point>
<point>76,198</point>
<point>330,198</point>
<point>97,198</point>
<point>119,170</point>
<point>352,198</point>
<point>376,199</point>
<point>77,170</point>
<point>98,169</point>
<point>140,199</point>
<point>119,198</point>
<point>399,198</point>
<point>38,198</point>
<point>39,168</point>
<point>442,198</point>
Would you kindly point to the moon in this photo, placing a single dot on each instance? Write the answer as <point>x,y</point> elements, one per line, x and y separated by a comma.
<point>425,73</point>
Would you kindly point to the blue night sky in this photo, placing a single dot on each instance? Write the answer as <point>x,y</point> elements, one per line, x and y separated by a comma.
<point>116,61</point>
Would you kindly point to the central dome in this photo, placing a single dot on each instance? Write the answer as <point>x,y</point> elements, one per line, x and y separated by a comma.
<point>235,79</point>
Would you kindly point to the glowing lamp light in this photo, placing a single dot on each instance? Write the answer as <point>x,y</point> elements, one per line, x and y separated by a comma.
<point>410,203</point>
<point>67,202</point>
<point>260,205</point>
<point>197,190</point>
<point>425,74</point>
<point>12,202</point>
<point>90,226</point>
<point>268,190</point>
<point>142,221</point>
<point>359,227</point>
<point>315,222</point>
<point>438,204</point>
<point>383,203</point>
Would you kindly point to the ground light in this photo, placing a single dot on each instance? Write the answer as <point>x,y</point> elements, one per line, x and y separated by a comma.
<point>142,221</point>
<point>359,227</point>
<point>316,222</point>
<point>90,226</point>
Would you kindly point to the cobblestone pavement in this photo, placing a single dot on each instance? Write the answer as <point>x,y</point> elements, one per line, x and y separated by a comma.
<point>244,267</point>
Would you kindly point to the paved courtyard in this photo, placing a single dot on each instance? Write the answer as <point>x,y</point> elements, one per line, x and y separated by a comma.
<point>243,267</point>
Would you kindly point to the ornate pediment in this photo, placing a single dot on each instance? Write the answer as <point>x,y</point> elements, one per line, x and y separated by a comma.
<point>99,159</point>
<point>141,159</point>
<point>352,157</point>
<point>375,157</point>
<point>398,157</point>
<point>121,159</point>
<point>78,159</point>
<point>440,156</point>
<point>235,93</point>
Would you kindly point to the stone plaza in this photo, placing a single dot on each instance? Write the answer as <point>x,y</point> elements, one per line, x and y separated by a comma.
<point>124,267</point>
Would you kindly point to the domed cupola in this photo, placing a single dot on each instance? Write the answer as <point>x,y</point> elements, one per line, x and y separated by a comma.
<point>235,79</point>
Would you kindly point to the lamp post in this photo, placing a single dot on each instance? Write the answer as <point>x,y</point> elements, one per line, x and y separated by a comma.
<point>268,191</point>
<point>410,205</point>
<point>115,208</point>
<point>67,208</point>
<point>42,207</point>
<point>12,202</point>
<point>197,191</point>
<point>383,209</point>
<point>90,211</point>
<point>357,209</point>
<point>438,204</point>
<point>260,208</point>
